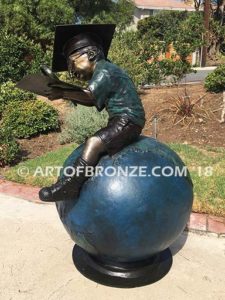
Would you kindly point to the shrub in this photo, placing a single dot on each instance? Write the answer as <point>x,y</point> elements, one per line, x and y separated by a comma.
<point>81,123</point>
<point>167,69</point>
<point>19,56</point>
<point>26,119</point>
<point>158,33</point>
<point>125,52</point>
<point>8,93</point>
<point>9,148</point>
<point>182,29</point>
<point>215,81</point>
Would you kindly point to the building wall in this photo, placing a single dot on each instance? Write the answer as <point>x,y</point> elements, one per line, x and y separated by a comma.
<point>140,14</point>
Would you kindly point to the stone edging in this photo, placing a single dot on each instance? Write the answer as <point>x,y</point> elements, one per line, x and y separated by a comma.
<point>206,224</point>
<point>199,223</point>
<point>26,192</point>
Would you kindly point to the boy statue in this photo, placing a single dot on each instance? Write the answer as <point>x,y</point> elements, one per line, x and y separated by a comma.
<point>82,50</point>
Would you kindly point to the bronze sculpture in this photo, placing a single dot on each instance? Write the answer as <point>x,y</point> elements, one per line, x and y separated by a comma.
<point>122,225</point>
<point>85,51</point>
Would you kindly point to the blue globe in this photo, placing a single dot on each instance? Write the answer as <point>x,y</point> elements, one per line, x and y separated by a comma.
<point>135,208</point>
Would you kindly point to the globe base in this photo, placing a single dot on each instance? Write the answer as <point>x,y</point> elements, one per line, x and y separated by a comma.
<point>123,275</point>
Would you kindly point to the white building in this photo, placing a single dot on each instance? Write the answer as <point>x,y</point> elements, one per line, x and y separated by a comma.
<point>146,8</point>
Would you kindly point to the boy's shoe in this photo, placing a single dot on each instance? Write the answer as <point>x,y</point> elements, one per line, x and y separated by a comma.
<point>63,189</point>
<point>67,187</point>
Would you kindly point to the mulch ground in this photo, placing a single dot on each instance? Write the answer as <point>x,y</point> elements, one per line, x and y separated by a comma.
<point>201,128</point>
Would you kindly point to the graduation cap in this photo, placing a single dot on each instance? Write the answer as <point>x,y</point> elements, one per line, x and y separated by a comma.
<point>69,38</point>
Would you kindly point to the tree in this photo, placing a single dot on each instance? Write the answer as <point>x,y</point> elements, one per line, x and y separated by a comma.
<point>218,8</point>
<point>197,3</point>
<point>216,33</point>
<point>157,33</point>
<point>216,42</point>
<point>119,12</point>
<point>86,10</point>
<point>35,19</point>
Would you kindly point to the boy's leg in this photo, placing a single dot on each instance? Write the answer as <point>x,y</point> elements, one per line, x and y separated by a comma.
<point>94,148</point>
<point>70,186</point>
<point>119,132</point>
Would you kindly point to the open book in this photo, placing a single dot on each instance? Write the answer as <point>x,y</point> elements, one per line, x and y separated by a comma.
<point>42,83</point>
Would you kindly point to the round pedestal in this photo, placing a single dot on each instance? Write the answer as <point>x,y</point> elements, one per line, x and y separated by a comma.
<point>122,275</point>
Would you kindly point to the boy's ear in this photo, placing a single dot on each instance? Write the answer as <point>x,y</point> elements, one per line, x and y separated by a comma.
<point>91,55</point>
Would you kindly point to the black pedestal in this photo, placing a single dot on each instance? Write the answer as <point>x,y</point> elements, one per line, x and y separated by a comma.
<point>123,275</point>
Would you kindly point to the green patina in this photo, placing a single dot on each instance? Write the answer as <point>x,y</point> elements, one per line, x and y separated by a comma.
<point>114,90</point>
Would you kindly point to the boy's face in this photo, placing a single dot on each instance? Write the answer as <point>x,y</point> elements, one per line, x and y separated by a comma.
<point>80,66</point>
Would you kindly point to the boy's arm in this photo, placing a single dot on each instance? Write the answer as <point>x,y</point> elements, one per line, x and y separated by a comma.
<point>82,96</point>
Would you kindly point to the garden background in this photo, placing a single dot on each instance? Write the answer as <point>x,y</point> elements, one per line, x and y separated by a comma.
<point>37,132</point>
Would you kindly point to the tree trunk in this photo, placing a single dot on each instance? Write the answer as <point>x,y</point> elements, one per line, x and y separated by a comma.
<point>222,119</point>
<point>206,35</point>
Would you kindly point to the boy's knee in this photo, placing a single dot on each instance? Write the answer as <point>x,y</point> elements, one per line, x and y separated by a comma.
<point>94,147</point>
<point>93,141</point>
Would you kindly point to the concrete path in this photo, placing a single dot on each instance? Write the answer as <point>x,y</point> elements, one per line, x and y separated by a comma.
<point>36,262</point>
<point>199,76</point>
<point>191,78</point>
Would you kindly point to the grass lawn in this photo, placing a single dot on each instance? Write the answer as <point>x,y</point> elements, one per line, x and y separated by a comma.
<point>205,165</point>
<point>35,171</point>
<point>207,171</point>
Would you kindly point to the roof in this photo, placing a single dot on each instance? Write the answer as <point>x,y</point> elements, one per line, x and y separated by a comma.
<point>163,4</point>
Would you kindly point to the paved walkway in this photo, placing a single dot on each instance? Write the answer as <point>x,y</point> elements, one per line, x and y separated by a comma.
<point>199,76</point>
<point>36,262</point>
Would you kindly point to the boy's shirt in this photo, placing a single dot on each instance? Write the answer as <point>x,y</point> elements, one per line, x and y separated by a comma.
<point>114,90</point>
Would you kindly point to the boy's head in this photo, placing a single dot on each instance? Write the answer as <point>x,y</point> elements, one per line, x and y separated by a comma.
<point>82,52</point>
<point>79,47</point>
